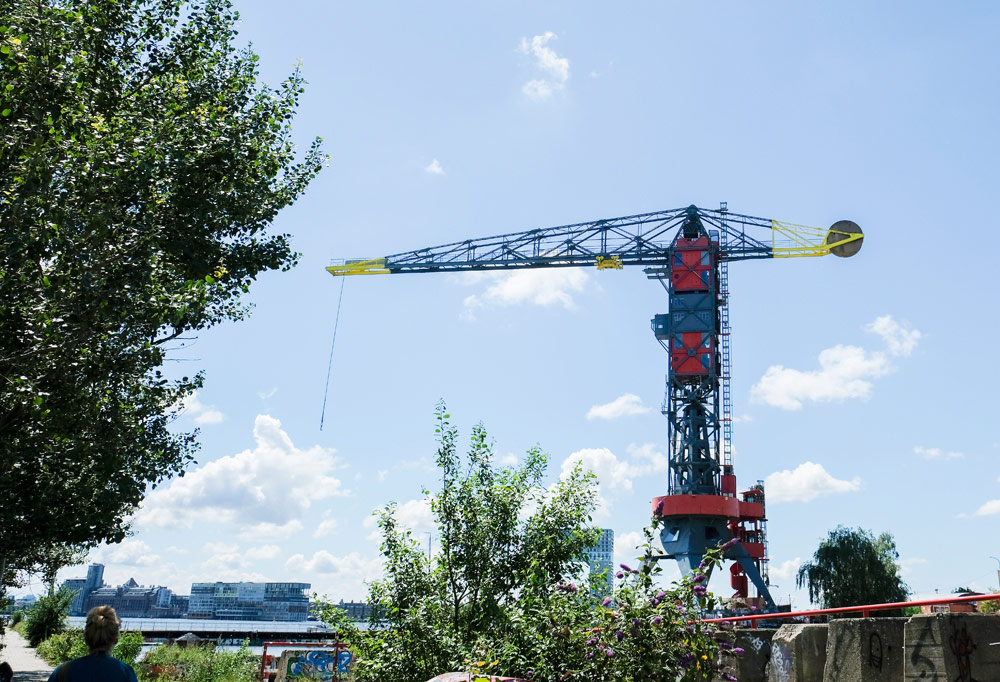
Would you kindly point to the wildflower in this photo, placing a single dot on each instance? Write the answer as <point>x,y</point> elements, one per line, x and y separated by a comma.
<point>592,641</point>
<point>620,635</point>
<point>728,678</point>
<point>609,652</point>
<point>590,654</point>
<point>530,673</point>
<point>753,609</point>
<point>730,543</point>
<point>686,660</point>
<point>657,620</point>
<point>700,590</point>
<point>625,568</point>
<point>725,625</point>
<point>698,578</point>
<point>738,651</point>
<point>681,610</point>
<point>689,629</point>
<point>607,600</point>
<point>725,645</point>
<point>656,602</point>
<point>701,566</point>
<point>661,594</point>
<point>619,575</point>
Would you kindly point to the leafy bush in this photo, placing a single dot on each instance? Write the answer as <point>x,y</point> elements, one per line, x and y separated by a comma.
<point>16,618</point>
<point>47,617</point>
<point>501,596</point>
<point>198,664</point>
<point>62,647</point>
<point>129,647</point>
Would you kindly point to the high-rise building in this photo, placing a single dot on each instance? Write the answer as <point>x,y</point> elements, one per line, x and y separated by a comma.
<point>250,601</point>
<point>601,558</point>
<point>83,587</point>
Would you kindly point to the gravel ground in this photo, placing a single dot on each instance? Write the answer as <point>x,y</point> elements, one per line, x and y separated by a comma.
<point>27,665</point>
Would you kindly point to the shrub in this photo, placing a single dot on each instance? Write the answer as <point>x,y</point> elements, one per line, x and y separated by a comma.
<point>62,647</point>
<point>47,617</point>
<point>198,664</point>
<point>16,618</point>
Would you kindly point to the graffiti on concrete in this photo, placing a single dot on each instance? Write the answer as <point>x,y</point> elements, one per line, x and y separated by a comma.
<point>875,656</point>
<point>923,667</point>
<point>322,664</point>
<point>781,664</point>
<point>756,643</point>
<point>963,646</point>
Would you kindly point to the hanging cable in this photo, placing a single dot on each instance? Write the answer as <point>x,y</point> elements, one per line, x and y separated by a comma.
<point>329,366</point>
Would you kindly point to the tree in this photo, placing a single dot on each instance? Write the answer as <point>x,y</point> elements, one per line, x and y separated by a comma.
<point>852,567</point>
<point>501,594</point>
<point>140,166</point>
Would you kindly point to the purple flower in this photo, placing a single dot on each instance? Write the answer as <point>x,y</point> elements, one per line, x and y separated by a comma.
<point>625,568</point>
<point>729,678</point>
<point>689,629</point>
<point>619,574</point>
<point>592,641</point>
<point>700,590</point>
<point>709,631</point>
<point>701,566</point>
<point>590,654</point>
<point>657,620</point>
<point>571,587</point>
<point>620,635</point>
<point>686,660</point>
<point>738,651</point>
<point>607,600</point>
<point>698,578</point>
<point>661,594</point>
<point>725,625</point>
<point>753,609</point>
<point>681,610</point>
<point>725,645</point>
<point>610,653</point>
<point>656,602</point>
<point>530,673</point>
<point>731,542</point>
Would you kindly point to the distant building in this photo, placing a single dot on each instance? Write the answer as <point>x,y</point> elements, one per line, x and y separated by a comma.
<point>83,587</point>
<point>356,610</point>
<point>601,558</point>
<point>132,600</point>
<point>250,601</point>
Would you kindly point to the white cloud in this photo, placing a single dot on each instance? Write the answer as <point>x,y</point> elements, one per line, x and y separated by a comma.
<point>555,69</point>
<point>326,527</point>
<point>844,371</point>
<point>627,548</point>
<point>263,552</point>
<point>266,530</point>
<point>899,340</point>
<point>786,570</point>
<point>263,491</point>
<point>508,460</point>
<point>906,566</point>
<point>624,405</point>
<point>201,413</point>
<point>349,573</point>
<point>988,509</point>
<point>806,482</point>
<point>126,552</point>
<point>539,286</point>
<point>264,395</point>
<point>611,472</point>
<point>434,168</point>
<point>937,453</point>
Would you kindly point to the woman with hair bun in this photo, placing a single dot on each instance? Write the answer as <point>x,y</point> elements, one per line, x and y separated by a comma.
<point>101,635</point>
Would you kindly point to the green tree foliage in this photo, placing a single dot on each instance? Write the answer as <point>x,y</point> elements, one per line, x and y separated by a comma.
<point>852,567</point>
<point>48,616</point>
<point>503,595</point>
<point>140,166</point>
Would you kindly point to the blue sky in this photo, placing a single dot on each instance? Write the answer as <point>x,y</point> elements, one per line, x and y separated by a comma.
<point>864,388</point>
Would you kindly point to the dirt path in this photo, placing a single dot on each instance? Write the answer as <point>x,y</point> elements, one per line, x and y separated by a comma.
<point>27,665</point>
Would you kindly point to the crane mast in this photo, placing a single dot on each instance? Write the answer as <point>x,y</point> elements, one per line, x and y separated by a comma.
<point>687,250</point>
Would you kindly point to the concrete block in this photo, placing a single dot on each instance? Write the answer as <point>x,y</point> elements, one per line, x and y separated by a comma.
<point>864,650</point>
<point>798,654</point>
<point>952,647</point>
<point>756,645</point>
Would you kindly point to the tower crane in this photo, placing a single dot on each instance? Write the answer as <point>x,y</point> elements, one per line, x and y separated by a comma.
<point>688,251</point>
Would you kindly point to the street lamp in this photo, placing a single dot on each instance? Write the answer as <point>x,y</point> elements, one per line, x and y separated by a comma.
<point>998,569</point>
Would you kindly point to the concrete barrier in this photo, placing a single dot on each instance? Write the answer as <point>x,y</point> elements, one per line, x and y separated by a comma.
<point>756,645</point>
<point>864,650</point>
<point>798,654</point>
<point>952,647</point>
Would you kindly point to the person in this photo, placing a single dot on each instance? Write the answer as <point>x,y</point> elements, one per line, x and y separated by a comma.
<point>100,635</point>
<point>6,672</point>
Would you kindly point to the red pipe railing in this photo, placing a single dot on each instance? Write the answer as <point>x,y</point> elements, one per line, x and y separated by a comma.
<point>865,610</point>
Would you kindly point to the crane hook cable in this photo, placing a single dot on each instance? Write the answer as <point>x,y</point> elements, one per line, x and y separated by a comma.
<point>329,366</point>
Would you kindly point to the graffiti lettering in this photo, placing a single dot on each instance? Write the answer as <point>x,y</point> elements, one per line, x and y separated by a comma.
<point>781,664</point>
<point>922,664</point>
<point>963,646</point>
<point>875,651</point>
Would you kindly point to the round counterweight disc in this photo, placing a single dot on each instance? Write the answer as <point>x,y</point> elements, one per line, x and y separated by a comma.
<point>839,231</point>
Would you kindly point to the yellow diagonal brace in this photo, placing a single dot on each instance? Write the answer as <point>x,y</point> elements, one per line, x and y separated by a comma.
<point>789,240</point>
<point>374,266</point>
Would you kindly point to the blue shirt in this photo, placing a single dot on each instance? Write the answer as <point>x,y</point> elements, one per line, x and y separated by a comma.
<point>97,667</point>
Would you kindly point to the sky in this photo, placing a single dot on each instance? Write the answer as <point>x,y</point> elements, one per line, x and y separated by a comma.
<point>855,401</point>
